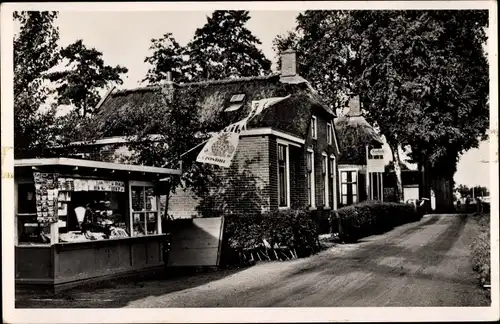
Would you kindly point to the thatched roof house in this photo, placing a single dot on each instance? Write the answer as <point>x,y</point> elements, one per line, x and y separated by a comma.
<point>289,142</point>
<point>354,134</point>
<point>214,100</point>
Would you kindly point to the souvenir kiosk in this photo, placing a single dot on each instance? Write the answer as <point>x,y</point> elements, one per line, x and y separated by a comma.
<point>78,221</point>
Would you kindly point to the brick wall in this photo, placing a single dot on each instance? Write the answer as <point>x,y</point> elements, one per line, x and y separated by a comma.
<point>298,180</point>
<point>320,145</point>
<point>245,186</point>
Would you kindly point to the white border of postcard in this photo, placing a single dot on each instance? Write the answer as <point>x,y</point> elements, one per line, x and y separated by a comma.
<point>371,314</point>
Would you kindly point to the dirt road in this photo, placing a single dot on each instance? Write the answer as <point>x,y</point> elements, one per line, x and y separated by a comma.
<point>420,264</point>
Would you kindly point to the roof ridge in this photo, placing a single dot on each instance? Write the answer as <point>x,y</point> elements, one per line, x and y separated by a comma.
<point>230,80</point>
<point>198,83</point>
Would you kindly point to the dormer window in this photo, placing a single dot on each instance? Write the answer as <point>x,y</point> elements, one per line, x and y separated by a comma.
<point>236,102</point>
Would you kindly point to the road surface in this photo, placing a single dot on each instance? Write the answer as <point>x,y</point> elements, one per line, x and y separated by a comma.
<point>426,263</point>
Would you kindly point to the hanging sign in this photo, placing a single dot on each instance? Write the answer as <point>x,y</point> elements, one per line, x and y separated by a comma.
<point>376,165</point>
<point>221,147</point>
<point>377,151</point>
<point>375,162</point>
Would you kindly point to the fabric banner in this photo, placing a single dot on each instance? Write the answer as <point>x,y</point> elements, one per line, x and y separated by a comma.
<point>221,147</point>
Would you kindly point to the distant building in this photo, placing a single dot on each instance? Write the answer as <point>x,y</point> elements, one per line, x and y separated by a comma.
<point>356,138</point>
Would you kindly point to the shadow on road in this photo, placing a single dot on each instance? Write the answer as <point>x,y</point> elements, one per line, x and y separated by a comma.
<point>118,293</point>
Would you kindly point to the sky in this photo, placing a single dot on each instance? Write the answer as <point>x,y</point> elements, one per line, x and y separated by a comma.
<point>124,38</point>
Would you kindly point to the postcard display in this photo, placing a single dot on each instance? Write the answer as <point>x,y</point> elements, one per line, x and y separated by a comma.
<point>54,192</point>
<point>47,193</point>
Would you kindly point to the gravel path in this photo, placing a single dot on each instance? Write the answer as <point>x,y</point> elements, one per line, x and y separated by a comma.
<point>426,263</point>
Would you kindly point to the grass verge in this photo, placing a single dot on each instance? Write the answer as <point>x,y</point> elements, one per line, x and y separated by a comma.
<point>481,249</point>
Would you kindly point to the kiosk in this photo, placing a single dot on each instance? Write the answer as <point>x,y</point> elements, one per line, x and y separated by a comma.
<point>78,221</point>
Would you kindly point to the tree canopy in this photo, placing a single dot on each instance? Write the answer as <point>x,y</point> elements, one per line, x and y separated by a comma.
<point>35,52</point>
<point>422,75</point>
<point>174,120</point>
<point>225,48</point>
<point>222,48</point>
<point>167,56</point>
<point>85,75</point>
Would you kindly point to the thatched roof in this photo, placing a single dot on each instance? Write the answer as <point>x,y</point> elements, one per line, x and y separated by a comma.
<point>213,98</point>
<point>353,134</point>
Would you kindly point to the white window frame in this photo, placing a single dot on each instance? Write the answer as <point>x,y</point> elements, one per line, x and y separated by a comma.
<point>287,172</point>
<point>314,127</point>
<point>329,134</point>
<point>312,179</point>
<point>134,183</point>
<point>333,175</point>
<point>357,183</point>
<point>326,180</point>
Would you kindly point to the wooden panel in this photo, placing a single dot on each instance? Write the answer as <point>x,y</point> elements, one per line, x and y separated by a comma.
<point>124,257</point>
<point>74,262</point>
<point>84,261</point>
<point>139,253</point>
<point>197,244</point>
<point>153,250</point>
<point>33,262</point>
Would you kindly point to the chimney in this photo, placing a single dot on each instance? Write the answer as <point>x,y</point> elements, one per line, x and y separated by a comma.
<point>354,106</point>
<point>168,85</point>
<point>288,63</point>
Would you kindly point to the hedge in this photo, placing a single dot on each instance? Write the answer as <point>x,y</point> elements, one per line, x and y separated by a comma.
<point>294,229</point>
<point>372,217</point>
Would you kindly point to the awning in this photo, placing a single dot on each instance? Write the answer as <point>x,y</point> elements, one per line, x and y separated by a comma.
<point>95,165</point>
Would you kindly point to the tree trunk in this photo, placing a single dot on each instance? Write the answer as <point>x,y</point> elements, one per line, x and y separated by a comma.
<point>443,190</point>
<point>397,171</point>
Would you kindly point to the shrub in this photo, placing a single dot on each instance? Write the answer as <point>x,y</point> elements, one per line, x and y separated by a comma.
<point>294,229</point>
<point>481,250</point>
<point>372,217</point>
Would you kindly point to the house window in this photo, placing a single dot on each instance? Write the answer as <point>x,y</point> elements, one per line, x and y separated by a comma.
<point>329,133</point>
<point>325,178</point>
<point>310,178</point>
<point>332,178</point>
<point>314,130</point>
<point>283,176</point>
<point>144,209</point>
<point>349,187</point>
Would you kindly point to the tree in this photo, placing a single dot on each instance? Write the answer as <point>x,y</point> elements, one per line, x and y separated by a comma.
<point>224,48</point>
<point>476,191</point>
<point>167,56</point>
<point>35,52</point>
<point>422,77</point>
<point>175,122</point>
<point>86,75</point>
<point>323,53</point>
